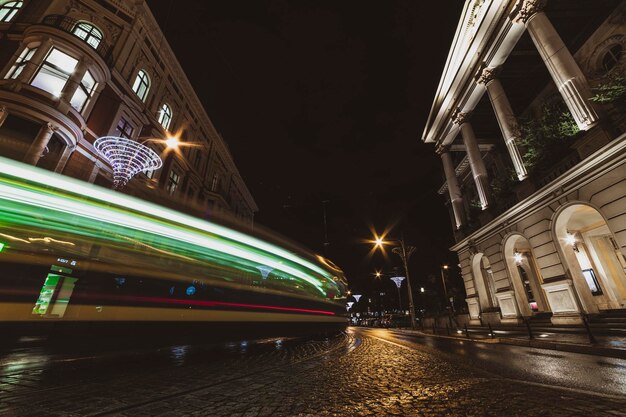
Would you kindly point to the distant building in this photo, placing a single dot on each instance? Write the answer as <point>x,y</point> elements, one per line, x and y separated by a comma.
<point>76,70</point>
<point>529,119</point>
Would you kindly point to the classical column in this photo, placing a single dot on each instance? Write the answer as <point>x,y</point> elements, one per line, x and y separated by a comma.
<point>65,156</point>
<point>506,118</point>
<point>453,188</point>
<point>74,81</point>
<point>4,113</point>
<point>564,70</point>
<point>39,144</point>
<point>35,61</point>
<point>479,172</point>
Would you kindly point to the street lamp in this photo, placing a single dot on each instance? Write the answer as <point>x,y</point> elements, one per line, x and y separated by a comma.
<point>445,290</point>
<point>405,252</point>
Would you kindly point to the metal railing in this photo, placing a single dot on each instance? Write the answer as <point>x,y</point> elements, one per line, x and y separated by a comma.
<point>68,24</point>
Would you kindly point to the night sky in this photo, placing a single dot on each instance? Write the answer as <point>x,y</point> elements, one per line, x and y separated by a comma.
<point>326,101</point>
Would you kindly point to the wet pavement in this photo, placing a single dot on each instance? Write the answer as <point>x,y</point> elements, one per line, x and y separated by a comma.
<point>364,372</point>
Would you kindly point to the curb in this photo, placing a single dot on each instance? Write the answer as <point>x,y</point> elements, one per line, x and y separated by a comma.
<point>541,344</point>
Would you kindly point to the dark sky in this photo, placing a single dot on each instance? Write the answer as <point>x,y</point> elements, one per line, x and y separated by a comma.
<point>326,101</point>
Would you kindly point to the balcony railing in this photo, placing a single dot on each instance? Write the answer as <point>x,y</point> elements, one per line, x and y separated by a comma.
<point>68,24</point>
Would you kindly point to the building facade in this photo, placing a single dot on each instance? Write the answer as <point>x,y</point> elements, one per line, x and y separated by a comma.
<point>529,121</point>
<point>77,70</point>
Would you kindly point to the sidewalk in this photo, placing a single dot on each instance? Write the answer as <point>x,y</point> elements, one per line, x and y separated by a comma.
<point>568,339</point>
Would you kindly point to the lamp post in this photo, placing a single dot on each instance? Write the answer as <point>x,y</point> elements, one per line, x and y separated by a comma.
<point>445,290</point>
<point>405,252</point>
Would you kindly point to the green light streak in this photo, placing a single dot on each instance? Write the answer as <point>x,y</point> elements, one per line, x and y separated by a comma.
<point>60,182</point>
<point>34,198</point>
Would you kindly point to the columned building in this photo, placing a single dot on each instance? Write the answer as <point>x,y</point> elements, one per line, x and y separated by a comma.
<point>529,121</point>
<point>76,70</point>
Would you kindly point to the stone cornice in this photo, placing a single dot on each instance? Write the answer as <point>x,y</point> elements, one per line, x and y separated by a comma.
<point>493,37</point>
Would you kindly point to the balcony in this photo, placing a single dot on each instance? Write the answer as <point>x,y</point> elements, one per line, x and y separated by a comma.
<point>68,24</point>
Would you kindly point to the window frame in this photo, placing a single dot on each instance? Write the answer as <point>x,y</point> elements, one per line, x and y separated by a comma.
<point>142,79</point>
<point>172,183</point>
<point>86,91</point>
<point>11,9</point>
<point>123,133</point>
<point>165,116</point>
<point>94,32</point>
<point>20,63</point>
<point>54,69</point>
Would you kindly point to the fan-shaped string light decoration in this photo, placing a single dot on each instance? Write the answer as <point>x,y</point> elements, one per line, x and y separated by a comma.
<point>127,158</point>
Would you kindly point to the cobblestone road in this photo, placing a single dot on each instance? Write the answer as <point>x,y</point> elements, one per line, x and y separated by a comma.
<point>354,375</point>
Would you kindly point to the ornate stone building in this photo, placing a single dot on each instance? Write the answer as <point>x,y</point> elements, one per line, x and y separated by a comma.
<point>76,70</point>
<point>529,121</point>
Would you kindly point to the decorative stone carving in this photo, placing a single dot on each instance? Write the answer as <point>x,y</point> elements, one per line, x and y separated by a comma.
<point>459,117</point>
<point>525,9</point>
<point>487,75</point>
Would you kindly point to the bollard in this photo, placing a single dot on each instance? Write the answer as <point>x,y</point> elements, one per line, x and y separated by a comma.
<point>447,329</point>
<point>530,331</point>
<point>491,331</point>
<point>466,331</point>
<point>592,339</point>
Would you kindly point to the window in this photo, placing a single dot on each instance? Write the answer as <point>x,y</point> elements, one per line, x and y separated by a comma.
<point>142,85</point>
<point>215,182</point>
<point>165,116</point>
<point>54,72</point>
<point>612,57</point>
<point>89,33</point>
<point>9,9</point>
<point>592,281</point>
<point>20,63</point>
<point>172,182</point>
<point>124,129</point>
<point>83,92</point>
<point>149,174</point>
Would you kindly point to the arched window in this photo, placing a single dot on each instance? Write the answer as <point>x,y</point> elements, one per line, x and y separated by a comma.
<point>165,116</point>
<point>142,85</point>
<point>612,57</point>
<point>9,9</point>
<point>89,33</point>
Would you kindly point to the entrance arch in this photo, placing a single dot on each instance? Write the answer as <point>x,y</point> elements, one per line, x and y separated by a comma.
<point>525,277</point>
<point>483,282</point>
<point>592,256</point>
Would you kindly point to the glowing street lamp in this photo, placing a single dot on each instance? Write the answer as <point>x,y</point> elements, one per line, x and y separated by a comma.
<point>404,252</point>
<point>172,142</point>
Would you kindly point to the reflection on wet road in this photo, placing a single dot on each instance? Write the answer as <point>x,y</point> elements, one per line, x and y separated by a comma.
<point>362,372</point>
<point>572,370</point>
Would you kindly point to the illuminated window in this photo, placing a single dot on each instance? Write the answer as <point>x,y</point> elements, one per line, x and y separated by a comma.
<point>9,9</point>
<point>172,182</point>
<point>592,281</point>
<point>21,62</point>
<point>54,72</point>
<point>165,116</point>
<point>142,85</point>
<point>83,92</point>
<point>124,129</point>
<point>89,33</point>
